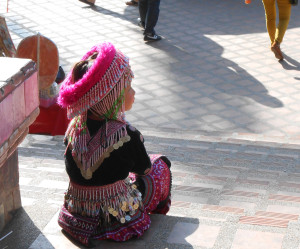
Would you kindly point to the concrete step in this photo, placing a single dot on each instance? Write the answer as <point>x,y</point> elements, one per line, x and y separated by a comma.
<point>222,187</point>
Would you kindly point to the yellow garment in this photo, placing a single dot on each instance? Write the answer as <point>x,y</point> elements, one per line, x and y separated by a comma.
<point>284,8</point>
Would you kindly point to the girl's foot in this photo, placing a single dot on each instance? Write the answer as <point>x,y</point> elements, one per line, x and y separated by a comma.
<point>276,50</point>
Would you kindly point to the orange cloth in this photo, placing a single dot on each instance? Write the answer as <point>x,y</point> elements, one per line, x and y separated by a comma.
<point>51,121</point>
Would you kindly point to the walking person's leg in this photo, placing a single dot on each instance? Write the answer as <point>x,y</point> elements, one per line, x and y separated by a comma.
<point>143,7</point>
<point>151,20</point>
<point>270,13</point>
<point>152,16</point>
<point>284,9</point>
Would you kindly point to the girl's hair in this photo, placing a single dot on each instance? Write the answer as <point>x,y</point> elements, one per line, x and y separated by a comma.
<point>81,67</point>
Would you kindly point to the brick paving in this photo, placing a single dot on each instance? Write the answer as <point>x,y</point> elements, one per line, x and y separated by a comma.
<point>210,96</point>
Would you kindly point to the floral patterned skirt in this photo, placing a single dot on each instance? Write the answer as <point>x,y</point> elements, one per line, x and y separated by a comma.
<point>117,211</point>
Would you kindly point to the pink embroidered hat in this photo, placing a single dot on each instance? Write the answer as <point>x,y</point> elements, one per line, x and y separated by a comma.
<point>106,71</point>
<point>101,90</point>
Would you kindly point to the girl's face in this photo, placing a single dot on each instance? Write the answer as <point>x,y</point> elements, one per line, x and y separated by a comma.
<point>129,97</point>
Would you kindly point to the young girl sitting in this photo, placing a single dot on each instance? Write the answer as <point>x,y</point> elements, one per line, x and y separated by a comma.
<point>114,184</point>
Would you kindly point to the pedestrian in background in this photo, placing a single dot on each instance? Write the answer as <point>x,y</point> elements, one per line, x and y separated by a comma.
<point>149,12</point>
<point>276,34</point>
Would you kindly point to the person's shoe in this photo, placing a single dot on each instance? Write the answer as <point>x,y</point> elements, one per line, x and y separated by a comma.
<point>152,37</point>
<point>132,3</point>
<point>276,50</point>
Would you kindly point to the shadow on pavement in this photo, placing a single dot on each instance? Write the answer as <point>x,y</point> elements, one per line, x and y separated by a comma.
<point>24,232</point>
<point>165,232</point>
<point>223,16</point>
<point>289,63</point>
<point>130,14</point>
<point>214,18</point>
<point>234,81</point>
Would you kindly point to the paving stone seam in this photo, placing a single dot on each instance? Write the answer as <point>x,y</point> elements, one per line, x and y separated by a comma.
<point>219,136</point>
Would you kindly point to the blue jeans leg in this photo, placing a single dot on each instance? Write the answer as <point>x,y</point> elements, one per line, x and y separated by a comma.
<point>149,11</point>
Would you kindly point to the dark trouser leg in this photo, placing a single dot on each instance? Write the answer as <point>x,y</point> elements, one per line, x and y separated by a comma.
<point>151,16</point>
<point>143,7</point>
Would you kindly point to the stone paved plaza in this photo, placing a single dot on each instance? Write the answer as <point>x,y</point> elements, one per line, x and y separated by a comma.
<point>210,96</point>
<point>213,70</point>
